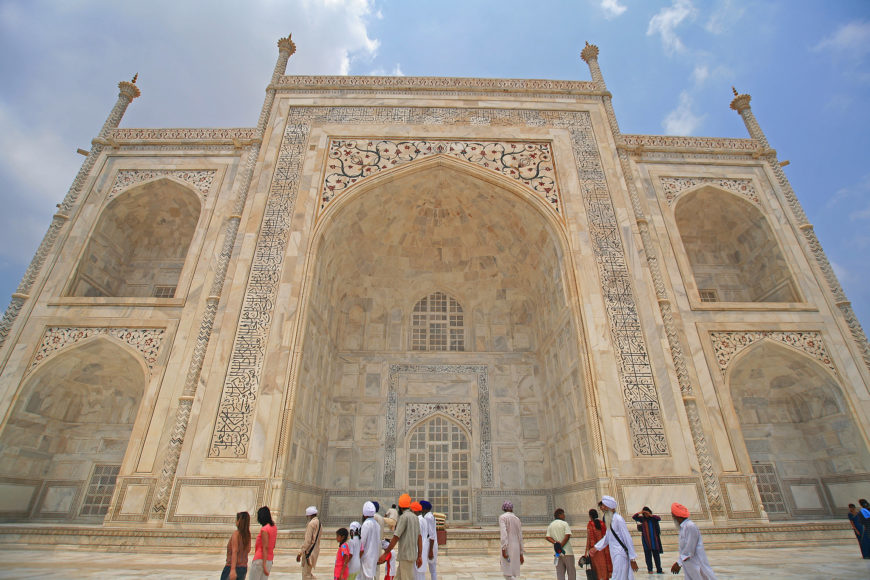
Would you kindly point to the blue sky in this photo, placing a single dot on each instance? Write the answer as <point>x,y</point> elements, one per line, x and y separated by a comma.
<point>669,65</point>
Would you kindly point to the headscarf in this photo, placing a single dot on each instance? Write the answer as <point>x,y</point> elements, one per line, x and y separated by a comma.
<point>311,510</point>
<point>404,501</point>
<point>507,506</point>
<point>426,505</point>
<point>368,509</point>
<point>609,502</point>
<point>354,526</point>
<point>679,510</point>
<point>416,507</point>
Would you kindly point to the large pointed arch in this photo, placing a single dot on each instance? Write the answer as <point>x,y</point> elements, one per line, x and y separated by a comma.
<point>438,224</point>
<point>731,248</point>
<point>71,425</point>
<point>795,421</point>
<point>140,242</point>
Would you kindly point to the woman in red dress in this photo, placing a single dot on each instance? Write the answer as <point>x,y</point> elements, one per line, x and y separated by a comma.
<point>595,530</point>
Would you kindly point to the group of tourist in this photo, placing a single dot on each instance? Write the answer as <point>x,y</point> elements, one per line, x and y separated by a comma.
<point>860,520</point>
<point>413,547</point>
<point>609,549</point>
<point>407,555</point>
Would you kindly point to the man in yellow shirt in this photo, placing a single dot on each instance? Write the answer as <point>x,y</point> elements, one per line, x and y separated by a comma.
<point>559,534</point>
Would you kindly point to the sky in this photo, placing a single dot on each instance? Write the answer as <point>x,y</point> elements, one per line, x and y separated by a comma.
<point>670,65</point>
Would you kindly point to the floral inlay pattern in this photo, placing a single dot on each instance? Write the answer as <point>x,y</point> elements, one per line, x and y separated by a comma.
<point>416,412</point>
<point>200,180</point>
<point>351,160</point>
<point>674,186</point>
<point>726,345</point>
<point>146,340</point>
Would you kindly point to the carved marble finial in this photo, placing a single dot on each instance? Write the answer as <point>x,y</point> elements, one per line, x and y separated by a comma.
<point>287,44</point>
<point>589,52</point>
<point>129,89</point>
<point>739,102</point>
<point>135,77</point>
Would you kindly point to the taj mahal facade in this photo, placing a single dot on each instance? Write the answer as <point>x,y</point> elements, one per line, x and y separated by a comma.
<point>471,290</point>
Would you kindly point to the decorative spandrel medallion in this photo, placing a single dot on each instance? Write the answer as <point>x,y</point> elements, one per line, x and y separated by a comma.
<point>352,160</point>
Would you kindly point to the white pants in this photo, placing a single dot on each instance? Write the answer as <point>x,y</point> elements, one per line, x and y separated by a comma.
<point>256,570</point>
<point>433,564</point>
<point>621,568</point>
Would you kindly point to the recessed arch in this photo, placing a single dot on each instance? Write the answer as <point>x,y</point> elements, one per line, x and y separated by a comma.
<point>140,242</point>
<point>794,417</point>
<point>731,248</point>
<point>72,421</point>
<point>438,224</point>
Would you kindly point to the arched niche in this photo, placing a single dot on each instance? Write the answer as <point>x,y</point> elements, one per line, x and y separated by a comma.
<point>794,419</point>
<point>72,423</point>
<point>732,250</point>
<point>438,225</point>
<point>140,243</point>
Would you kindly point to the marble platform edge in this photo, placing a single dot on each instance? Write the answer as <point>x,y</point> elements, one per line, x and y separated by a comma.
<point>459,540</point>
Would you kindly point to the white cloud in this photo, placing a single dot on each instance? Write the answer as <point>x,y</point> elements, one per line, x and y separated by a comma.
<point>852,38</point>
<point>612,8</point>
<point>682,121</point>
<point>854,193</point>
<point>381,72</point>
<point>724,17</point>
<point>700,74</point>
<point>666,21</point>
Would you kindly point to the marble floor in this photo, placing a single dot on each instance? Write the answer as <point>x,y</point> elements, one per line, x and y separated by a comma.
<point>839,562</point>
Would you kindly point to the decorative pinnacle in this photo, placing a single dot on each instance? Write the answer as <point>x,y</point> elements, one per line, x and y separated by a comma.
<point>739,102</point>
<point>129,89</point>
<point>287,44</point>
<point>589,52</point>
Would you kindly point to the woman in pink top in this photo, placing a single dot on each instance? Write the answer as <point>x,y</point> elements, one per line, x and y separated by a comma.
<point>265,546</point>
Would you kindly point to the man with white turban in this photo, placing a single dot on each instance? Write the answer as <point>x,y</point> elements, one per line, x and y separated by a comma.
<point>619,540</point>
<point>370,543</point>
<point>310,549</point>
<point>692,557</point>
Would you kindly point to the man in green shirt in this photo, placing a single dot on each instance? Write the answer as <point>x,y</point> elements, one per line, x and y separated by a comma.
<point>559,534</point>
<point>407,535</point>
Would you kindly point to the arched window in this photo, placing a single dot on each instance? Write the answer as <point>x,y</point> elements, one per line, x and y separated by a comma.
<point>438,324</point>
<point>439,461</point>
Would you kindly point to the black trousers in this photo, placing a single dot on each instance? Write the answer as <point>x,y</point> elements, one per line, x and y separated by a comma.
<point>649,556</point>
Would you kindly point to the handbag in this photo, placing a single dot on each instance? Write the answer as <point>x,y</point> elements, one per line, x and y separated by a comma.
<point>584,561</point>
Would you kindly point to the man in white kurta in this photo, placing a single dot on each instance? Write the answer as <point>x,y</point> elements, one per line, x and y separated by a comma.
<point>511,531</point>
<point>420,571</point>
<point>430,551</point>
<point>619,541</point>
<point>692,557</point>
<point>370,543</point>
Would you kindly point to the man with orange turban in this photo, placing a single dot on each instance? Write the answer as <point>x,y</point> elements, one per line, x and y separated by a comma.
<point>407,535</point>
<point>692,558</point>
